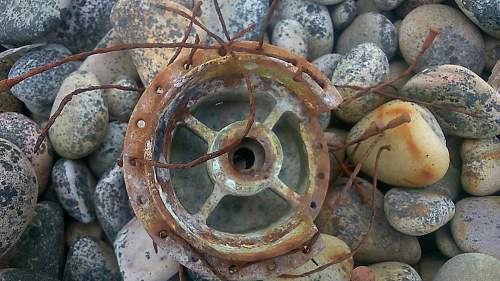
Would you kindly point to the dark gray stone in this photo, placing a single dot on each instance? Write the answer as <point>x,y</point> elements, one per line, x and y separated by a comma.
<point>327,63</point>
<point>343,14</point>
<point>484,13</point>
<point>13,274</point>
<point>109,150</point>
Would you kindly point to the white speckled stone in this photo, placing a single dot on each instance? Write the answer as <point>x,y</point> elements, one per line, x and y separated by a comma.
<point>110,149</point>
<point>327,63</point>
<point>289,35</point>
<point>343,14</point>
<point>121,103</point>
<point>484,13</point>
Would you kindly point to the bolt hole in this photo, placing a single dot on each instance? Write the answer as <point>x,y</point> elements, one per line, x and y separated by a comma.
<point>313,205</point>
<point>244,158</point>
<point>159,90</point>
<point>193,259</point>
<point>141,124</point>
<point>232,269</point>
<point>186,66</point>
<point>321,176</point>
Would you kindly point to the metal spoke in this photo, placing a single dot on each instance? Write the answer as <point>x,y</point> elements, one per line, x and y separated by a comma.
<point>285,192</point>
<point>274,116</point>
<point>211,203</point>
<point>200,129</point>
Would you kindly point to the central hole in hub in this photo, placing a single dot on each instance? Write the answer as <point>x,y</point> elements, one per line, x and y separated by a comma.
<point>248,155</point>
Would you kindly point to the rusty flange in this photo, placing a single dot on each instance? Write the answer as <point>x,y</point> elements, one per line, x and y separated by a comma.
<point>287,162</point>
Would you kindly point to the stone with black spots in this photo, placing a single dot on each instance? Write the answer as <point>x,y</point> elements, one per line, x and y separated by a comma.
<point>121,103</point>
<point>14,274</point>
<point>289,35</point>
<point>484,13</point>
<point>327,63</point>
<point>76,230</point>
<point>343,14</point>
<point>110,149</point>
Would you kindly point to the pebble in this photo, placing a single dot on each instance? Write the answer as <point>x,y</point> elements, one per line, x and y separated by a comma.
<point>459,41</point>
<point>394,271</point>
<point>351,219</point>
<point>418,155</point>
<point>476,224</point>
<point>492,50</point>
<point>362,273</point>
<point>38,92</point>
<point>481,166</point>
<point>75,187</point>
<point>484,13</point>
<point>22,22</point>
<point>453,86</point>
<point>366,6</point>
<point>77,230</point>
<point>417,212</point>
<point>289,35</point>
<point>41,246</point>
<point>109,150</point>
<point>334,248</point>
<point>327,63</point>
<point>365,65</point>
<point>315,19</point>
<point>387,5</point>
<point>396,68</point>
<point>445,242</point>
<point>449,185</point>
<point>14,274</point>
<point>18,192</point>
<point>369,27</point>
<point>89,259</point>
<point>121,103</point>
<point>429,265</point>
<point>111,202</point>
<point>409,5</point>
<point>469,267</point>
<point>343,14</point>
<point>137,257</point>
<point>336,138</point>
<point>9,103</point>
<point>82,125</point>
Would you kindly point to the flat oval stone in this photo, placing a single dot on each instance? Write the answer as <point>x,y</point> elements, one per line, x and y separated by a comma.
<point>75,186</point>
<point>369,28</point>
<point>137,258</point>
<point>476,223</point>
<point>387,5</point>
<point>39,92</point>
<point>327,63</point>
<point>481,167</point>
<point>417,212</point>
<point>394,271</point>
<point>89,259</point>
<point>14,274</point>
<point>18,192</point>
<point>76,230</point>
<point>289,35</point>
<point>351,219</point>
<point>82,125</point>
<point>22,22</point>
<point>24,133</point>
<point>343,14</point>
<point>418,156</point>
<point>315,19</point>
<point>469,267</point>
<point>459,42</point>
<point>111,202</point>
<point>110,149</point>
<point>365,65</point>
<point>484,13</point>
<point>445,242</point>
<point>121,103</point>
<point>453,86</point>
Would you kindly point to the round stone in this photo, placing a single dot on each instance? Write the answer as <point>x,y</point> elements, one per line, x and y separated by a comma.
<point>13,274</point>
<point>365,65</point>
<point>409,5</point>
<point>484,13</point>
<point>82,125</point>
<point>76,230</point>
<point>105,156</point>
<point>89,259</point>
<point>343,14</point>
<point>22,22</point>
<point>18,192</point>
<point>387,5</point>
<point>75,186</point>
<point>38,92</point>
<point>469,267</point>
<point>445,242</point>
<point>394,271</point>
<point>112,206</point>
<point>369,27</point>
<point>396,68</point>
<point>451,87</point>
<point>417,212</point>
<point>24,133</point>
<point>121,103</point>
<point>418,156</point>
<point>476,223</point>
<point>481,166</point>
<point>492,50</point>
<point>459,41</point>
<point>327,63</point>
<point>289,35</point>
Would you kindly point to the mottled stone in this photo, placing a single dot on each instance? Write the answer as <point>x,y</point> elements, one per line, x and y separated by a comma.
<point>417,212</point>
<point>429,266</point>
<point>351,219</point>
<point>459,41</point>
<point>290,35</point>
<point>315,19</point>
<point>89,259</point>
<point>82,125</point>
<point>18,192</point>
<point>469,267</point>
<point>22,22</point>
<point>369,28</point>
<point>387,5</point>
<point>343,14</point>
<point>327,63</point>
<point>75,187</point>
<point>38,92</point>
<point>453,86</point>
<point>492,50</point>
<point>494,79</point>
<point>394,271</point>
<point>121,103</point>
<point>111,202</point>
<point>109,150</point>
<point>476,224</point>
<point>336,138</point>
<point>366,6</point>
<point>409,5</point>
<point>484,13</point>
<point>396,68</point>
<point>137,257</point>
<point>76,230</point>
<point>13,274</point>
<point>334,248</point>
<point>418,155</point>
<point>445,242</point>
<point>365,65</point>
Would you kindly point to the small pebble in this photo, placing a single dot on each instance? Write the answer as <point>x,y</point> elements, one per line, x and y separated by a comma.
<point>429,265</point>
<point>470,267</point>
<point>13,274</point>
<point>327,63</point>
<point>362,273</point>
<point>76,230</point>
<point>396,68</point>
<point>121,103</point>
<point>449,185</point>
<point>409,5</point>
<point>484,13</point>
<point>492,50</point>
<point>343,14</point>
<point>394,271</point>
<point>289,35</point>
<point>110,149</point>
<point>387,5</point>
<point>366,6</point>
<point>9,103</point>
<point>445,242</point>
